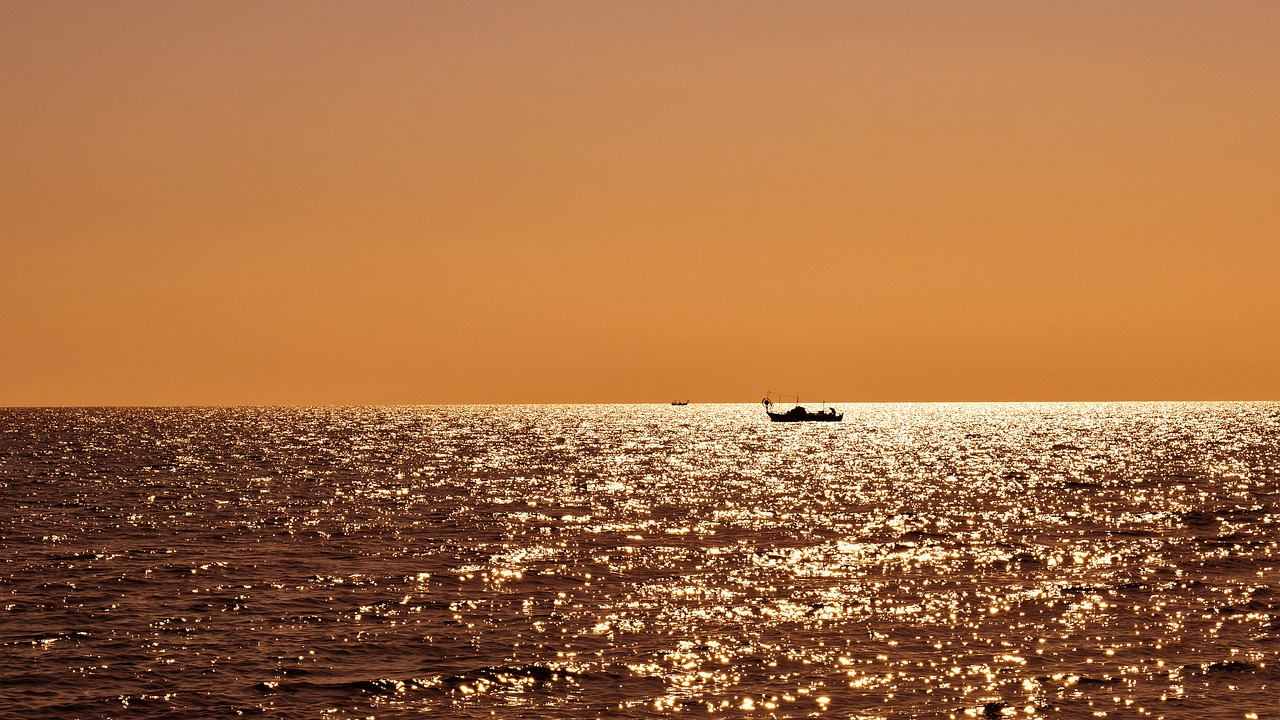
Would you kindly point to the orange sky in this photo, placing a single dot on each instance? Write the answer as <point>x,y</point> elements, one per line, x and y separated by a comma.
<point>401,202</point>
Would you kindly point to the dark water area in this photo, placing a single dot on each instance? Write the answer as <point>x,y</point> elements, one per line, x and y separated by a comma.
<point>913,561</point>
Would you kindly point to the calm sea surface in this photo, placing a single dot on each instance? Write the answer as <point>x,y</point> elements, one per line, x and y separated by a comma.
<point>914,561</point>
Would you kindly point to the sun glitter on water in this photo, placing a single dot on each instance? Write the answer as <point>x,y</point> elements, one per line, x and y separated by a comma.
<point>1023,560</point>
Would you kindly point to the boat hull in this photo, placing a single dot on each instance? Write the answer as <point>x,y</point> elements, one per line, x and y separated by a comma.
<point>806,417</point>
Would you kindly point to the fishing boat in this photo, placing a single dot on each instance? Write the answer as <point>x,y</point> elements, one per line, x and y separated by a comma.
<point>679,402</point>
<point>797,412</point>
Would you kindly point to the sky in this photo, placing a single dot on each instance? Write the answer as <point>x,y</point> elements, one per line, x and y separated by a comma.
<point>304,203</point>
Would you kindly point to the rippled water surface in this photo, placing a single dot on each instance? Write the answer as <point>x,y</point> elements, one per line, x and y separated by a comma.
<point>914,561</point>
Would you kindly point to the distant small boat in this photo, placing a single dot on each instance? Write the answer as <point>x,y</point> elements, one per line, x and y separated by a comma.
<point>679,402</point>
<point>798,412</point>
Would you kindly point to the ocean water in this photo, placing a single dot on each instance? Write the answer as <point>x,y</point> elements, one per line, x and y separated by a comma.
<point>913,561</point>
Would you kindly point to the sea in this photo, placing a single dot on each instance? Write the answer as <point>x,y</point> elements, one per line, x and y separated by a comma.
<point>1079,560</point>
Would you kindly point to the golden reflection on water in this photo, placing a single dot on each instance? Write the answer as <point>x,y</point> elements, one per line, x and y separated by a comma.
<point>971,560</point>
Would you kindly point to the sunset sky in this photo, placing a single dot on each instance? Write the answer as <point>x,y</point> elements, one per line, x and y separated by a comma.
<point>439,202</point>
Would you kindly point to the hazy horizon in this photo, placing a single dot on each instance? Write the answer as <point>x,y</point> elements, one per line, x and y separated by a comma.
<point>643,403</point>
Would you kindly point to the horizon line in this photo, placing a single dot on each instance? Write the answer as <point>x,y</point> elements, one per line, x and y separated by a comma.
<point>125,406</point>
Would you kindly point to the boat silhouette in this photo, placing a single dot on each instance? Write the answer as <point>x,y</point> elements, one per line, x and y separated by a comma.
<point>797,412</point>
